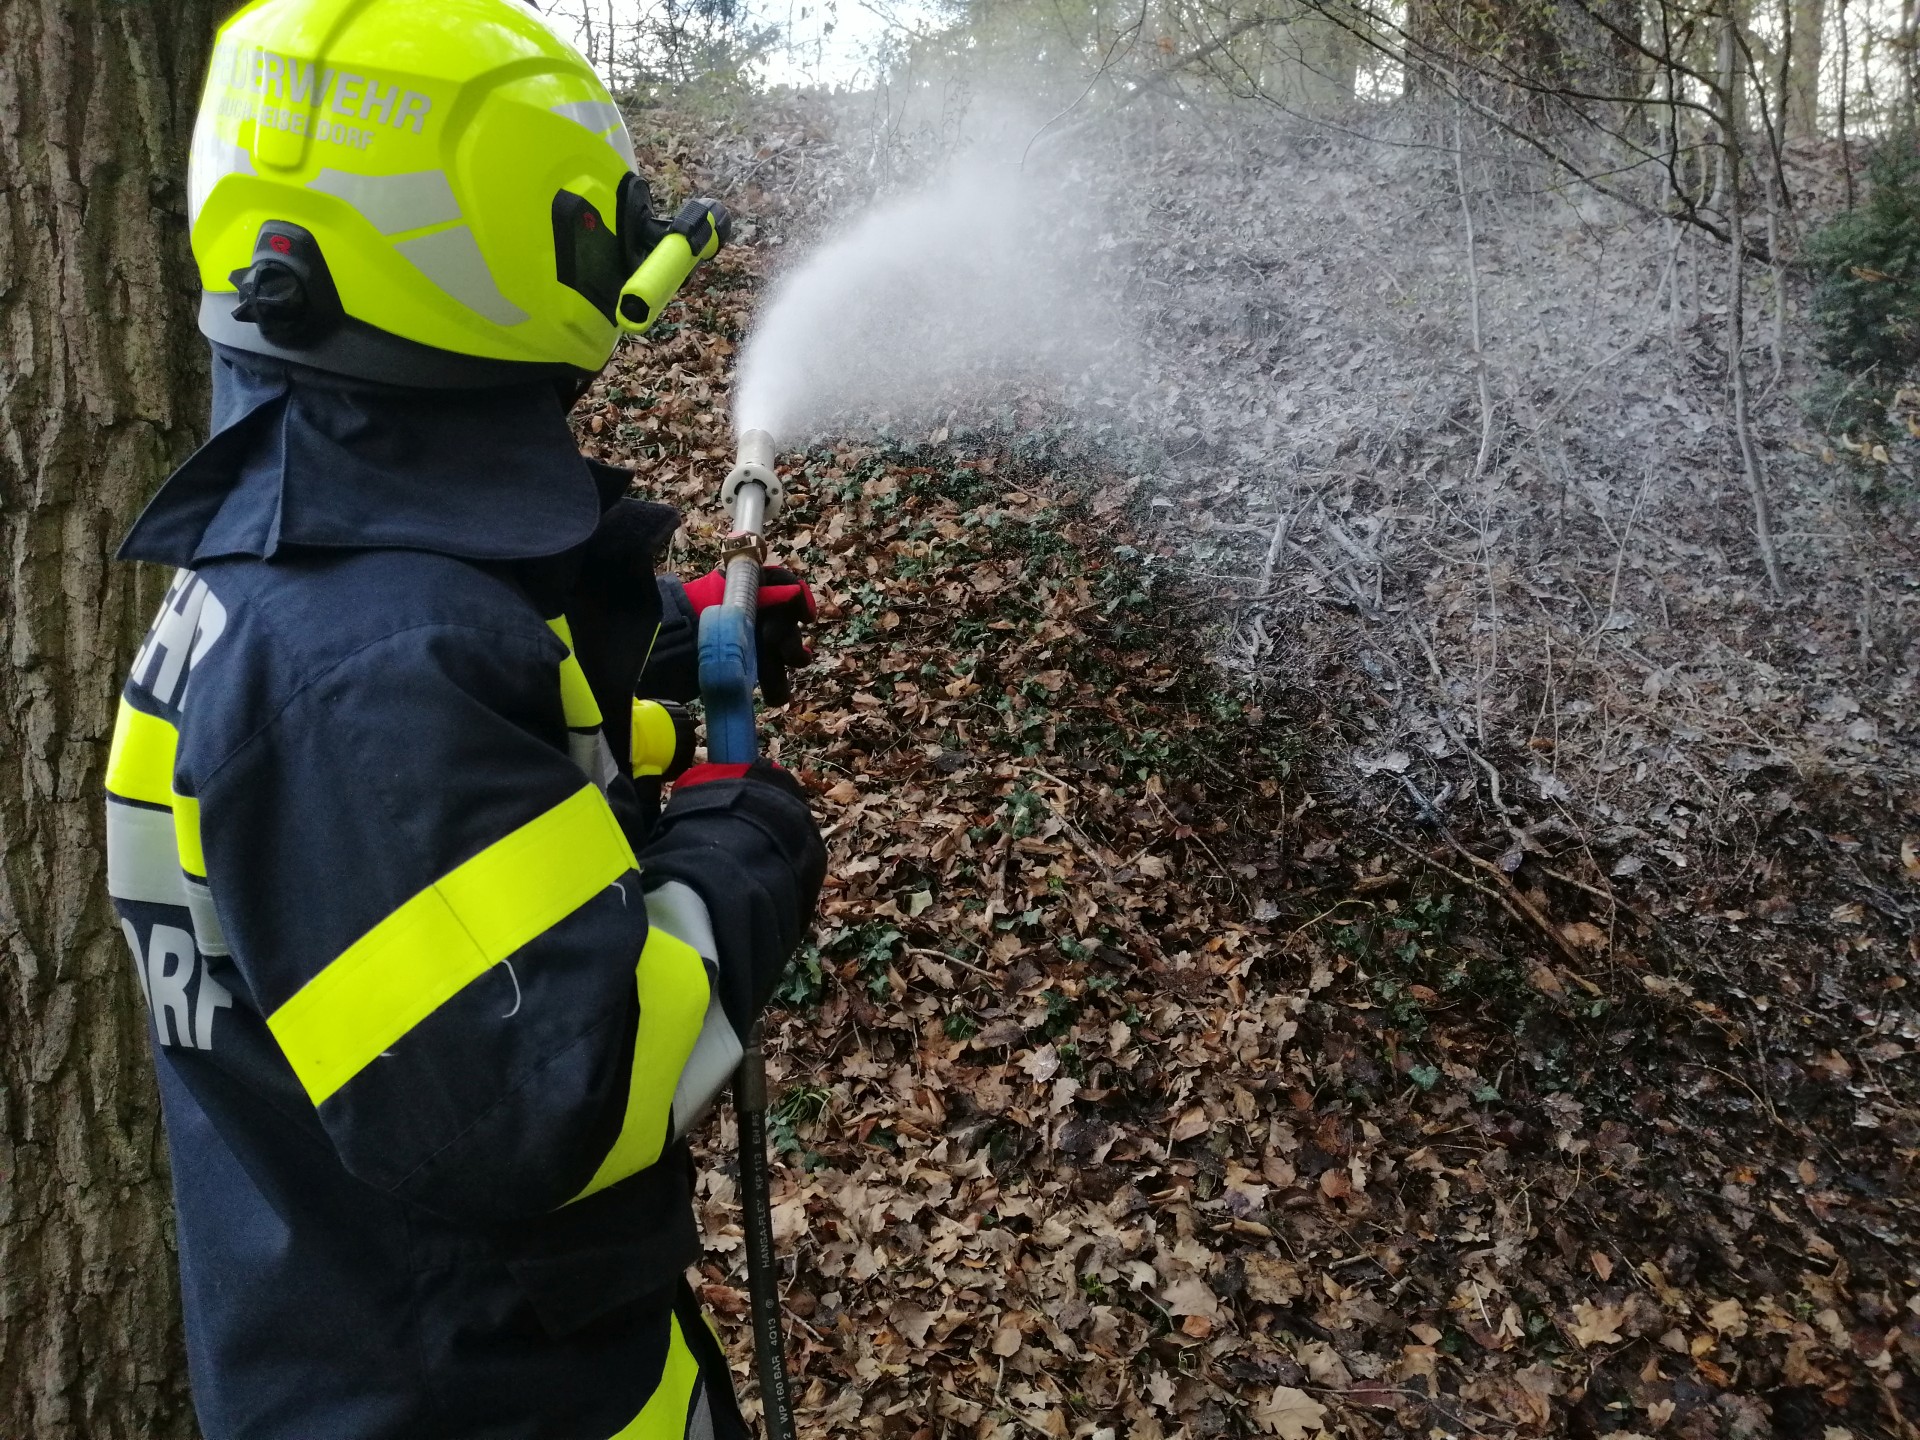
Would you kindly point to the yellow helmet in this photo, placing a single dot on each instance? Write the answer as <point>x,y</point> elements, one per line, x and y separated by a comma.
<point>424,192</point>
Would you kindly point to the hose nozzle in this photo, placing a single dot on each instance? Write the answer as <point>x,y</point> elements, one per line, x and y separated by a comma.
<point>753,465</point>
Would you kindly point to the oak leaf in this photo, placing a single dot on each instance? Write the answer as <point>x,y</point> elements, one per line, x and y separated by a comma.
<point>1727,1317</point>
<point>1271,1280</point>
<point>1597,1324</point>
<point>1190,1295</point>
<point>913,1323</point>
<point>1291,1414</point>
<point>1324,1365</point>
<point>1585,935</point>
<point>1193,1123</point>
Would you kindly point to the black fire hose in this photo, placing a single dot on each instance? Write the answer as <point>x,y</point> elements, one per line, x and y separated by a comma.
<point>756,1211</point>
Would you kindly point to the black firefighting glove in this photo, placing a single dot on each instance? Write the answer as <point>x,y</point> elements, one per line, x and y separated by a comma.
<point>742,838</point>
<point>786,606</point>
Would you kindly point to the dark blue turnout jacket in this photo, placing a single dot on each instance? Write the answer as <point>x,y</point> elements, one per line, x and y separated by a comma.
<point>435,995</point>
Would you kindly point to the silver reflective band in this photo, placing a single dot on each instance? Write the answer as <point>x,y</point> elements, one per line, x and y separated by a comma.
<point>595,115</point>
<point>716,1055</point>
<point>604,119</point>
<point>594,756</point>
<point>142,864</point>
<point>393,204</point>
<point>452,260</point>
<point>700,1423</point>
<point>212,158</point>
<point>143,868</point>
<point>682,914</point>
<point>674,908</point>
<point>207,933</point>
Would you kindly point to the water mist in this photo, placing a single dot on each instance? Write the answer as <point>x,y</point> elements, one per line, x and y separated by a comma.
<point>940,297</point>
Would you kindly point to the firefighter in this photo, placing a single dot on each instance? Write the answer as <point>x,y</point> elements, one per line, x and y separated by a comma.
<point>436,992</point>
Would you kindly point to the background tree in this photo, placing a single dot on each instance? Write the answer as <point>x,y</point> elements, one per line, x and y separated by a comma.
<point>101,391</point>
<point>640,46</point>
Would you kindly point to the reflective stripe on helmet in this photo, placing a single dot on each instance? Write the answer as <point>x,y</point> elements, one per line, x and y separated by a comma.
<point>446,937</point>
<point>602,117</point>
<point>452,260</point>
<point>393,204</point>
<point>213,158</point>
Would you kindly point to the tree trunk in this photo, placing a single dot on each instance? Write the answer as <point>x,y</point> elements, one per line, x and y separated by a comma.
<point>1806,19</point>
<point>1311,57</point>
<point>101,391</point>
<point>1492,51</point>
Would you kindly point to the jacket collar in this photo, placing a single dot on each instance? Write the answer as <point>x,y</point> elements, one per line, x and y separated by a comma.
<point>298,457</point>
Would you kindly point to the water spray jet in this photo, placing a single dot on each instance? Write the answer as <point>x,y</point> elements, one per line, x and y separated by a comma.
<point>921,295</point>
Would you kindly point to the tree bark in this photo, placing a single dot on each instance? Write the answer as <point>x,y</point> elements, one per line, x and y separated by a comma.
<point>1805,20</point>
<point>101,392</point>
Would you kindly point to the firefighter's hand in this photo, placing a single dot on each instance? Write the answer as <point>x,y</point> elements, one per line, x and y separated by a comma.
<point>786,606</point>
<point>743,838</point>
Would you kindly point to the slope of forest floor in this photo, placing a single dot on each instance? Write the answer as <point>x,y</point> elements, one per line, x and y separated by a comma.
<point>1148,1077</point>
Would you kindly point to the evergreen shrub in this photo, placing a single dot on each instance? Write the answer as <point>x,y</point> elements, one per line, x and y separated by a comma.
<point>1866,302</point>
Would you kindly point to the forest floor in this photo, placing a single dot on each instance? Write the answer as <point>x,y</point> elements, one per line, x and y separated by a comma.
<point>1148,1075</point>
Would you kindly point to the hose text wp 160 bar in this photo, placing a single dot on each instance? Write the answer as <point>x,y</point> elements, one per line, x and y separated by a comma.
<point>753,495</point>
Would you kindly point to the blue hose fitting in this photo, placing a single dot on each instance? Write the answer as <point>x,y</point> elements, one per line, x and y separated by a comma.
<point>727,679</point>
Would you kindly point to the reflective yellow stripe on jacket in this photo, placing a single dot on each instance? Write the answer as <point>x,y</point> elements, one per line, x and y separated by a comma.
<point>671,1412</point>
<point>446,937</point>
<point>576,696</point>
<point>586,741</point>
<point>140,769</point>
<point>672,982</point>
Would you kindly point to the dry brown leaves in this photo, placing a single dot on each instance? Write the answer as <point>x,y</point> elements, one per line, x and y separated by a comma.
<point>1137,1083</point>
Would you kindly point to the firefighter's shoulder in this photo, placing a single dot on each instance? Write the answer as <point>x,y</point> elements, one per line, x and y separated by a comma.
<point>321,636</point>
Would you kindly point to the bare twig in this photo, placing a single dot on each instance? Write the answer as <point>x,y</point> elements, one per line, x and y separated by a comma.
<point>1274,547</point>
<point>1473,301</point>
<point>1736,332</point>
<point>1620,555</point>
<point>1129,34</point>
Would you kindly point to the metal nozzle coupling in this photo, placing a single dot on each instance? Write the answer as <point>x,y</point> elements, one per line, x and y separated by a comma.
<point>753,465</point>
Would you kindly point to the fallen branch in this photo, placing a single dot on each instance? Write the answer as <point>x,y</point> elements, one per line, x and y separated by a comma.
<point>1511,898</point>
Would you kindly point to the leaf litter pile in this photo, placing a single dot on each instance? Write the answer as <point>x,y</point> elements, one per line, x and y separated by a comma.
<point>1143,1078</point>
